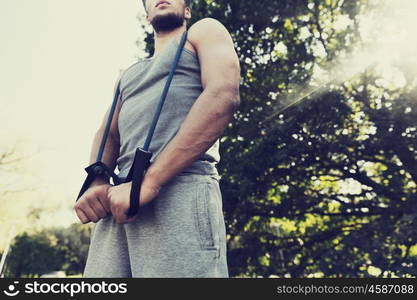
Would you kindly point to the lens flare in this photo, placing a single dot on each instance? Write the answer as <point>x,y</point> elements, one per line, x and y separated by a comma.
<point>388,36</point>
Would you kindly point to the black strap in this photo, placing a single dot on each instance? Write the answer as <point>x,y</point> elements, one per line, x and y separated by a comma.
<point>165,92</point>
<point>108,124</point>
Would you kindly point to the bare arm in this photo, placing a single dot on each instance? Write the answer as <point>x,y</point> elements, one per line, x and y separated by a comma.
<point>214,108</point>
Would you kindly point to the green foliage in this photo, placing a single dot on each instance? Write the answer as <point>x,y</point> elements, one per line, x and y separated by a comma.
<point>32,255</point>
<point>287,207</point>
<point>74,243</point>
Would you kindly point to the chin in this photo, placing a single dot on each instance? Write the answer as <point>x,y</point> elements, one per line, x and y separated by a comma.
<point>163,12</point>
<point>166,9</point>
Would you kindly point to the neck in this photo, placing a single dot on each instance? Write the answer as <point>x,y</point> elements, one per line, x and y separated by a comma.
<point>162,38</point>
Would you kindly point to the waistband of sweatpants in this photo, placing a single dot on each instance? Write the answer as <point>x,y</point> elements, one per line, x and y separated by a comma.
<point>190,177</point>
<point>196,172</point>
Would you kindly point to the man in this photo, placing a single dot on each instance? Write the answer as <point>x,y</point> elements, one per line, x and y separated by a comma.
<point>179,230</point>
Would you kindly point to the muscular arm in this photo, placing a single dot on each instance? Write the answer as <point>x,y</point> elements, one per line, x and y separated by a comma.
<point>213,109</point>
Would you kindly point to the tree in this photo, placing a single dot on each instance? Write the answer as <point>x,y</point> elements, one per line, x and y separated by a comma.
<point>74,243</point>
<point>32,256</point>
<point>326,187</point>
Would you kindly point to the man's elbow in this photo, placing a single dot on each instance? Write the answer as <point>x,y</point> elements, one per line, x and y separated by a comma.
<point>233,86</point>
<point>112,137</point>
<point>236,99</point>
<point>232,95</point>
<point>226,93</point>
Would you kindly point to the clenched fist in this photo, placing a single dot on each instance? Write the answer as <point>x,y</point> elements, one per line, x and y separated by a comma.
<point>94,204</point>
<point>119,199</point>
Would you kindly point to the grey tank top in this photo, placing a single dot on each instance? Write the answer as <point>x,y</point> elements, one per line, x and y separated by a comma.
<point>141,87</point>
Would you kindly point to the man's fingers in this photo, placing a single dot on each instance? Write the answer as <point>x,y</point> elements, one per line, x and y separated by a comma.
<point>93,205</point>
<point>131,219</point>
<point>120,215</point>
<point>123,218</point>
<point>98,208</point>
<point>81,215</point>
<point>105,203</point>
<point>102,196</point>
<point>89,212</point>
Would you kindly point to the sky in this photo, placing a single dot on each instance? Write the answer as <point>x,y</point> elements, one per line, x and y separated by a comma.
<point>59,62</point>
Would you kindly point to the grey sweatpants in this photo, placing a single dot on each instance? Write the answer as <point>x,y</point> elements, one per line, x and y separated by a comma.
<point>181,233</point>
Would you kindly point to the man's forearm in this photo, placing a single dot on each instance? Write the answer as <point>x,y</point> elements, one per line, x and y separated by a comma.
<point>110,154</point>
<point>205,122</point>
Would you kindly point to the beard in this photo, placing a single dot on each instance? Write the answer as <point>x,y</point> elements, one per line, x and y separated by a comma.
<point>167,22</point>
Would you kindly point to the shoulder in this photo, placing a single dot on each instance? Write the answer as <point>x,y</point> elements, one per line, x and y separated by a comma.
<point>131,67</point>
<point>207,28</point>
<point>206,25</point>
<point>128,70</point>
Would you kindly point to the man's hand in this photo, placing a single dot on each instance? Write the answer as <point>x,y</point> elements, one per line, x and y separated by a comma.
<point>93,205</point>
<point>119,198</point>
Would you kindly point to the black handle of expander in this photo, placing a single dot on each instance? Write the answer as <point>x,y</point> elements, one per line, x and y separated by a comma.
<point>95,170</point>
<point>137,171</point>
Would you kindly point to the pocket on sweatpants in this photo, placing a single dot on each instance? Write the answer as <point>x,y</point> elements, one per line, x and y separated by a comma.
<point>206,217</point>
